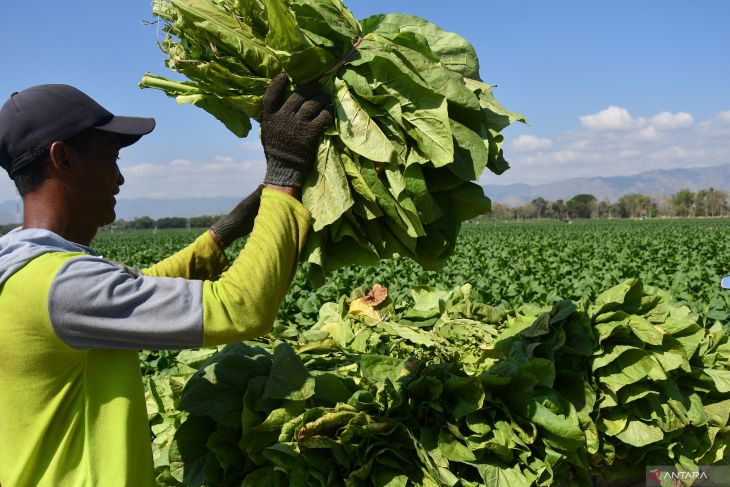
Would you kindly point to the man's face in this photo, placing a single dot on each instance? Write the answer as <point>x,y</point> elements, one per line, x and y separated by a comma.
<point>97,178</point>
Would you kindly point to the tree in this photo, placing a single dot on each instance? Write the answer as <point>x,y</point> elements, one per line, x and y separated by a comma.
<point>558,209</point>
<point>664,205</point>
<point>540,205</point>
<point>172,222</point>
<point>710,202</point>
<point>581,206</point>
<point>501,211</point>
<point>603,209</point>
<point>142,222</point>
<point>683,202</point>
<point>203,221</point>
<point>637,205</point>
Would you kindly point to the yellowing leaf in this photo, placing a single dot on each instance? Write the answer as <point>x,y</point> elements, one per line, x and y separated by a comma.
<point>366,305</point>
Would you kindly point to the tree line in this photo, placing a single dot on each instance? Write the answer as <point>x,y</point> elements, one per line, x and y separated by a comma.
<point>684,203</point>
<point>147,223</point>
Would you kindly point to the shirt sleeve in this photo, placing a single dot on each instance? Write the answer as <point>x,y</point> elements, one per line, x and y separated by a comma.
<point>94,303</point>
<point>202,259</point>
<point>243,303</point>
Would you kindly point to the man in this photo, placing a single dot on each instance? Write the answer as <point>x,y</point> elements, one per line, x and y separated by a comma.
<point>72,408</point>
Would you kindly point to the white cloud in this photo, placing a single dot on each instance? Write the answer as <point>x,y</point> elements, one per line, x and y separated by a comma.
<point>147,169</point>
<point>221,176</point>
<point>251,143</point>
<point>612,118</point>
<point>528,143</point>
<point>718,126</point>
<point>629,153</point>
<point>554,158</point>
<point>673,153</point>
<point>648,133</point>
<point>723,117</point>
<point>672,121</point>
<point>612,142</point>
<point>181,163</point>
<point>620,119</point>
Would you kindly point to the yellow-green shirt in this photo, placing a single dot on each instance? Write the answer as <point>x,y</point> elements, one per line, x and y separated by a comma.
<point>72,408</point>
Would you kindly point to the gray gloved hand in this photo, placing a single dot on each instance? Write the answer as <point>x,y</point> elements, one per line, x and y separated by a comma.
<point>291,130</point>
<point>239,221</point>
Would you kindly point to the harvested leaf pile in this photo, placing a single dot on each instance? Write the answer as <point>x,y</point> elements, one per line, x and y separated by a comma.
<point>415,126</point>
<point>447,391</point>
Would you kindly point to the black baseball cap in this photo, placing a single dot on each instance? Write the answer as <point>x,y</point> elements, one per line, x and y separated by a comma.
<point>32,119</point>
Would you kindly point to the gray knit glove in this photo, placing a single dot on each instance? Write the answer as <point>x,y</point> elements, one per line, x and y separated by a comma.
<point>291,130</point>
<point>239,221</point>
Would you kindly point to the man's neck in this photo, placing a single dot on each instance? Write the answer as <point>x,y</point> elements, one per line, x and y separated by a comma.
<point>50,212</point>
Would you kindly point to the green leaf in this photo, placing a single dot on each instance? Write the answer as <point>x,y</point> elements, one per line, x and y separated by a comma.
<point>327,16</point>
<point>223,109</point>
<point>470,153</point>
<point>465,202</point>
<point>380,367</point>
<point>217,388</point>
<point>453,449</point>
<point>429,126</point>
<point>627,366</point>
<point>625,297</point>
<point>302,60</point>
<point>327,192</point>
<point>466,393</point>
<point>289,378</point>
<point>718,413</point>
<point>499,476</point>
<point>721,378</point>
<point>358,131</point>
<point>453,50</point>
<point>640,434</point>
<point>412,335</point>
<point>645,331</point>
<point>494,115</point>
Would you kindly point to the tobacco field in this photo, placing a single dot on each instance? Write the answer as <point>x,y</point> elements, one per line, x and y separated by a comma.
<point>543,353</point>
<point>510,263</point>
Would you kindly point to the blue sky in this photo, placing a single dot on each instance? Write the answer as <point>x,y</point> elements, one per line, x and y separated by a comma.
<point>608,87</point>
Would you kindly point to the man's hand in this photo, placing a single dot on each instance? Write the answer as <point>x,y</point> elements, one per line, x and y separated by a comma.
<point>291,130</point>
<point>239,221</point>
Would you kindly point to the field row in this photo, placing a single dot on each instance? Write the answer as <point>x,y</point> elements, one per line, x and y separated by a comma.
<point>514,263</point>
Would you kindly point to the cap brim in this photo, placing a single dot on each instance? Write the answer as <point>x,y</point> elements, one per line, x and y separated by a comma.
<point>129,129</point>
<point>725,283</point>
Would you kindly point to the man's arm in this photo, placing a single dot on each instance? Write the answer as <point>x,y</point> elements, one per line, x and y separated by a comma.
<point>202,259</point>
<point>205,257</point>
<point>95,304</point>
<point>243,303</point>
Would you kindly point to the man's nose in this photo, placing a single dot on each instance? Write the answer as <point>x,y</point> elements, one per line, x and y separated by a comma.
<point>120,178</point>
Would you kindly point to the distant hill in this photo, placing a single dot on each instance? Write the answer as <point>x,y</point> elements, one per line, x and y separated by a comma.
<point>129,209</point>
<point>659,182</point>
<point>653,183</point>
<point>7,212</point>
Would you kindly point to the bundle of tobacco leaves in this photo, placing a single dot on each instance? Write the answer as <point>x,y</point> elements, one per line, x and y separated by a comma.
<point>415,126</point>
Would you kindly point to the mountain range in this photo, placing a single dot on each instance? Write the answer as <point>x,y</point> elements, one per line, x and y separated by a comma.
<point>660,182</point>
<point>652,183</point>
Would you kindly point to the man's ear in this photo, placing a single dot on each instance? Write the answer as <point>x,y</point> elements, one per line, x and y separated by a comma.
<point>60,155</point>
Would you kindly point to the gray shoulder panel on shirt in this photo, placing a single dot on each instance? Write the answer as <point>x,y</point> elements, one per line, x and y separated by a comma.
<point>94,303</point>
